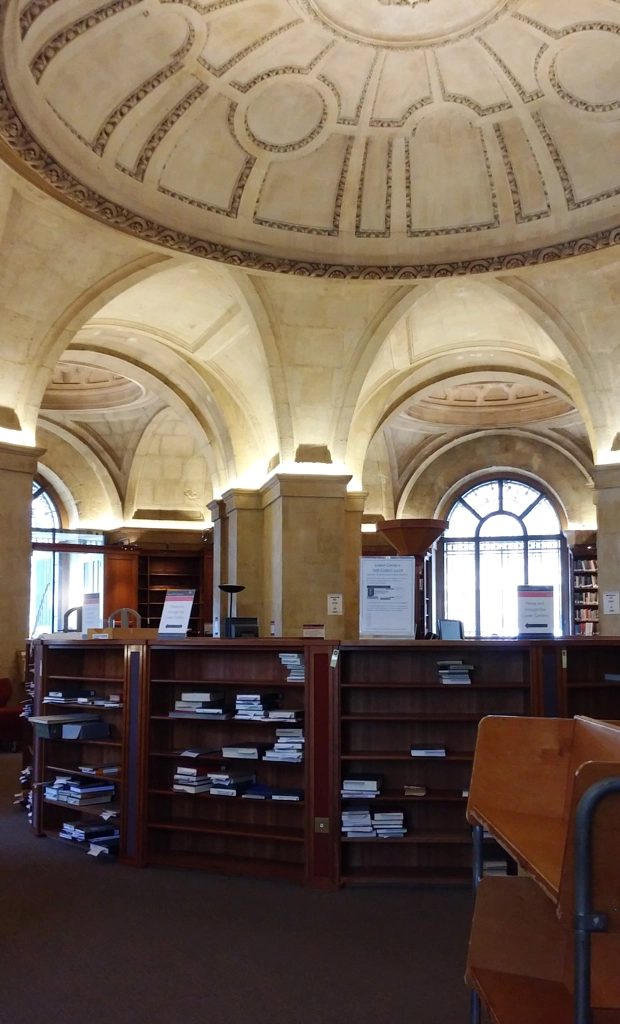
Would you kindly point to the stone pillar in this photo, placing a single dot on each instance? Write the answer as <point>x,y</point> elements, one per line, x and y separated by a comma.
<point>607,485</point>
<point>220,562</point>
<point>354,508</point>
<point>245,552</point>
<point>307,554</point>
<point>18,466</point>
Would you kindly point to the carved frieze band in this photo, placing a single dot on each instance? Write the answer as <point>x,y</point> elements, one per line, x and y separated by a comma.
<point>30,14</point>
<point>467,101</point>
<point>571,201</point>
<point>123,109</point>
<point>359,230</point>
<point>306,229</point>
<point>157,137</point>
<point>569,97</point>
<point>520,216</point>
<point>54,46</point>
<point>217,72</point>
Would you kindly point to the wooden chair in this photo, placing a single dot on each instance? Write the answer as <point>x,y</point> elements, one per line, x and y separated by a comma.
<point>528,778</point>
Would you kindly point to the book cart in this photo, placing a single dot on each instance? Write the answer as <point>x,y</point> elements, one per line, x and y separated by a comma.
<point>545,946</point>
<point>391,699</point>
<point>105,667</point>
<point>278,839</point>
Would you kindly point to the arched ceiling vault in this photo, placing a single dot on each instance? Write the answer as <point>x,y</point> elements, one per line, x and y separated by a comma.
<point>375,138</point>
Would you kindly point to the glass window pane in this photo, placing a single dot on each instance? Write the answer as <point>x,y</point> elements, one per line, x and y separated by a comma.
<point>517,497</point>
<point>460,584</point>
<point>501,526</point>
<point>545,569</point>
<point>542,519</point>
<point>44,513</point>
<point>41,592</point>
<point>463,523</point>
<point>484,499</point>
<point>502,570</point>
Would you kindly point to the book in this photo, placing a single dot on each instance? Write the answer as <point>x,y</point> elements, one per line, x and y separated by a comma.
<point>612,677</point>
<point>238,789</point>
<point>232,778</point>
<point>100,769</point>
<point>86,731</point>
<point>415,790</point>
<point>249,752</point>
<point>198,752</point>
<point>292,795</point>
<point>369,782</point>
<point>179,787</point>
<point>428,752</point>
<point>219,713</point>
<point>203,697</point>
<point>83,800</point>
<point>192,773</point>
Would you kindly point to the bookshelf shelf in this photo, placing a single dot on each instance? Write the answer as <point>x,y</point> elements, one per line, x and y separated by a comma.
<point>95,810</point>
<point>281,835</point>
<point>585,605</point>
<point>70,678</point>
<point>391,699</point>
<point>260,867</point>
<point>64,770</point>
<point>209,797</point>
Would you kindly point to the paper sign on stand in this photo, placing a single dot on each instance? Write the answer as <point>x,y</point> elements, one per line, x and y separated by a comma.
<point>611,602</point>
<point>387,603</point>
<point>175,616</point>
<point>91,613</point>
<point>535,611</point>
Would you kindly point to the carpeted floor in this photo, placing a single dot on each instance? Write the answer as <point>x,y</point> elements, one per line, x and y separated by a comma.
<point>84,940</point>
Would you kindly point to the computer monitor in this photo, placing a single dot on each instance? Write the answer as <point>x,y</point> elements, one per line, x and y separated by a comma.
<point>237,628</point>
<point>450,629</point>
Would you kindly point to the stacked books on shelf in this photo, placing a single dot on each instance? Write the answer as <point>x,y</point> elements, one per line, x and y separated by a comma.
<point>357,823</point>
<point>428,751</point>
<point>79,792</point>
<point>227,783</point>
<point>289,746</point>
<point>389,824</point>
<point>251,751</point>
<point>69,694</point>
<point>295,664</point>
<point>80,832</point>
<point>257,706</point>
<point>209,704</point>
<point>109,768</point>
<point>361,787</point>
<point>194,779</point>
<point>261,792</point>
<point>198,779</point>
<point>415,790</point>
<point>454,672</point>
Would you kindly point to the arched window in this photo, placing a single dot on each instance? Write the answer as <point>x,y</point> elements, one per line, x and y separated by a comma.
<point>502,533</point>
<point>45,515</point>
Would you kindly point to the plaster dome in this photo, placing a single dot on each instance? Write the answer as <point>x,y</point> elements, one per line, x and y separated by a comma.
<point>374,138</point>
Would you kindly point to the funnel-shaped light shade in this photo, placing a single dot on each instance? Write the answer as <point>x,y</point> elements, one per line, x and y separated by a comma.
<point>230,588</point>
<point>412,536</point>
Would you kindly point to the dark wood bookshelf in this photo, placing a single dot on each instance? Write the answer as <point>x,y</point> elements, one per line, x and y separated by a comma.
<point>106,667</point>
<point>168,570</point>
<point>390,700</point>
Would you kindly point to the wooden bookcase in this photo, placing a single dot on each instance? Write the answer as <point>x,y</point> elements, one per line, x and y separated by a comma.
<point>106,667</point>
<point>390,700</point>
<point>583,665</point>
<point>585,590</point>
<point>235,834</point>
<point>168,570</point>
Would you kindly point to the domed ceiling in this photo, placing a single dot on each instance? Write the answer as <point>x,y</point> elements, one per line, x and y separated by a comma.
<point>376,138</point>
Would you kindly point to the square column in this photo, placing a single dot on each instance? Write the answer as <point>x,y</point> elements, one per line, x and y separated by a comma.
<point>18,466</point>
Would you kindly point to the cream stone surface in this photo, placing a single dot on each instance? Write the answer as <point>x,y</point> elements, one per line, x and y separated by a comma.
<point>158,380</point>
<point>607,483</point>
<point>375,137</point>
<point>18,465</point>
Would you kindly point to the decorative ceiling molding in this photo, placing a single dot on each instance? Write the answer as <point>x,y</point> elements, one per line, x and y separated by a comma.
<point>320,147</point>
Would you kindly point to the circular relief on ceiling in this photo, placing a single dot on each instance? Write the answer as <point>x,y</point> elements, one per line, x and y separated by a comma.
<point>487,402</point>
<point>285,116</point>
<point>397,22</point>
<point>75,386</point>
<point>585,71</point>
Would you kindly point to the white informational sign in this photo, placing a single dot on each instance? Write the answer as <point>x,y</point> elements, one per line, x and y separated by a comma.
<point>611,602</point>
<point>334,604</point>
<point>176,613</point>
<point>91,613</point>
<point>387,603</point>
<point>535,611</point>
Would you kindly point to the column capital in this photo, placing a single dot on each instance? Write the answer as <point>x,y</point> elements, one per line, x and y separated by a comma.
<point>355,501</point>
<point>18,458</point>
<point>241,498</point>
<point>217,508</point>
<point>304,485</point>
<point>606,477</point>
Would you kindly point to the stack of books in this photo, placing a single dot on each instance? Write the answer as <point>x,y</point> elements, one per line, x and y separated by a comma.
<point>256,706</point>
<point>191,780</point>
<point>289,746</point>
<point>454,672</point>
<point>414,790</point>
<point>296,667</point>
<point>495,866</point>
<point>357,824</point>
<point>261,792</point>
<point>110,768</point>
<point>81,832</point>
<point>69,694</point>
<point>113,700</point>
<point>428,751</point>
<point>389,824</point>
<point>251,751</point>
<point>209,704</point>
<point>286,715</point>
<point>356,787</point>
<point>79,792</point>
<point>227,783</point>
